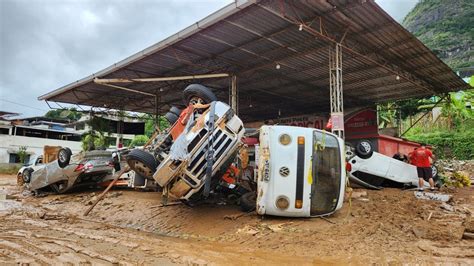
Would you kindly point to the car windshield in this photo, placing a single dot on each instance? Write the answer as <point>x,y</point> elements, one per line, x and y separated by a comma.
<point>326,173</point>
<point>32,160</point>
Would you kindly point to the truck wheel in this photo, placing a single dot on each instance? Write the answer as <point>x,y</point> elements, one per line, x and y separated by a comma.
<point>142,162</point>
<point>175,110</point>
<point>196,93</point>
<point>248,202</point>
<point>171,117</point>
<point>364,149</point>
<point>64,156</point>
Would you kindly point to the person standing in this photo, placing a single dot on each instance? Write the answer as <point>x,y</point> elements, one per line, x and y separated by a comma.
<point>421,159</point>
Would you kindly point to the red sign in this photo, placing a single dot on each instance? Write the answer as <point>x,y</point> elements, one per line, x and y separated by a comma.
<point>364,121</point>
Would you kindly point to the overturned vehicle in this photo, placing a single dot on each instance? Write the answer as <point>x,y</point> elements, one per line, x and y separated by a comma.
<point>189,158</point>
<point>298,172</point>
<point>374,170</point>
<point>69,171</point>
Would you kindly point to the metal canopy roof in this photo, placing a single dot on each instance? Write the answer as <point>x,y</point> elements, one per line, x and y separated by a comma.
<point>381,60</point>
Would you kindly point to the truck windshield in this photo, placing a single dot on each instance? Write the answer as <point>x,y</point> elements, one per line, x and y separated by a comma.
<point>326,173</point>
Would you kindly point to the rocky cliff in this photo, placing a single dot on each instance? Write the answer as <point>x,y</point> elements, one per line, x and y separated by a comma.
<point>447,28</point>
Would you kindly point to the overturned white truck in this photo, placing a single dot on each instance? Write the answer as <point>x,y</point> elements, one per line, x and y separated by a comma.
<point>300,174</point>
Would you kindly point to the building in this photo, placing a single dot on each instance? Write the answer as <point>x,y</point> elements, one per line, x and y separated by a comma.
<point>33,134</point>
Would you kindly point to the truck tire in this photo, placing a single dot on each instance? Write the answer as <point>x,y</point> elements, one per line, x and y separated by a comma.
<point>142,162</point>
<point>64,157</point>
<point>199,91</point>
<point>248,202</point>
<point>175,110</point>
<point>171,117</point>
<point>364,149</point>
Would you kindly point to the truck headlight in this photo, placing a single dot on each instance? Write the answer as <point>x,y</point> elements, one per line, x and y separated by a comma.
<point>285,139</point>
<point>282,203</point>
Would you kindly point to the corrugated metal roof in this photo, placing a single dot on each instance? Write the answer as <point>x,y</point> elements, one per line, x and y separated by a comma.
<point>248,38</point>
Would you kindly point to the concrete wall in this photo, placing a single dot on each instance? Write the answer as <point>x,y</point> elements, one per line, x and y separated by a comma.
<point>35,145</point>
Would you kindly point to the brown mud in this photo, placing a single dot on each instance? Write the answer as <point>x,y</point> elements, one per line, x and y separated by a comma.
<point>131,227</point>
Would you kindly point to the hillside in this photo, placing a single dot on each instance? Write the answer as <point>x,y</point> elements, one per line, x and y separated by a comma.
<point>446,27</point>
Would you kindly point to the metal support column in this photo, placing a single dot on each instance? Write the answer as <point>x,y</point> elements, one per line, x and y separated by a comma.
<point>335,87</point>
<point>157,112</point>
<point>234,95</point>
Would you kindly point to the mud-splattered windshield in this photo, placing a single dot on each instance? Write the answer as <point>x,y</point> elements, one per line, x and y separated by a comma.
<point>326,173</point>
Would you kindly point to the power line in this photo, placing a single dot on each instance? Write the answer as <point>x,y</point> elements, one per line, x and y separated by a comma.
<point>24,105</point>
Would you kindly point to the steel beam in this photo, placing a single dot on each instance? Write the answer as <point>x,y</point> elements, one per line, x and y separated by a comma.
<point>336,90</point>
<point>234,95</point>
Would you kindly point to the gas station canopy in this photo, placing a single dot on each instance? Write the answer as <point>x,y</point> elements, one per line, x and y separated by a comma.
<point>279,52</point>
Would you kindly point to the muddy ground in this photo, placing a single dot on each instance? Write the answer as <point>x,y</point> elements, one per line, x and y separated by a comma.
<point>131,227</point>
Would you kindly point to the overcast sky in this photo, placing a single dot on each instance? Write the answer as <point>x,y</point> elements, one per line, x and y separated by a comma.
<point>46,44</point>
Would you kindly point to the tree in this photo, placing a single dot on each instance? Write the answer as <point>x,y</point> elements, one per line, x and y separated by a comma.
<point>96,137</point>
<point>70,114</point>
<point>139,140</point>
<point>150,123</point>
<point>22,154</point>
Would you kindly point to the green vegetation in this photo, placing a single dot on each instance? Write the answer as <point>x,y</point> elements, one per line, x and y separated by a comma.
<point>446,27</point>
<point>96,138</point>
<point>150,124</point>
<point>447,144</point>
<point>22,154</point>
<point>451,134</point>
<point>9,169</point>
<point>70,114</point>
<point>139,140</point>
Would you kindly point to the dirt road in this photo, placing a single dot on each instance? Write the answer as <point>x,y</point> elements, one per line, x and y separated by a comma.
<point>131,227</point>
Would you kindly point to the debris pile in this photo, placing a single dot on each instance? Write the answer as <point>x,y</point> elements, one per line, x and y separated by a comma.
<point>456,173</point>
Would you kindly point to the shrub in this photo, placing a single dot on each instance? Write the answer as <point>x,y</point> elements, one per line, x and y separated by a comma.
<point>139,140</point>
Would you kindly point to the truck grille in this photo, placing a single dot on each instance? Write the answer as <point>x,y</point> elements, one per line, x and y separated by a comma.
<point>221,144</point>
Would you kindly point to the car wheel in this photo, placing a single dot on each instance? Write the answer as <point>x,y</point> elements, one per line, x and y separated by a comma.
<point>196,93</point>
<point>27,174</point>
<point>364,149</point>
<point>142,162</point>
<point>248,202</point>
<point>59,187</point>
<point>171,117</point>
<point>64,156</point>
<point>434,171</point>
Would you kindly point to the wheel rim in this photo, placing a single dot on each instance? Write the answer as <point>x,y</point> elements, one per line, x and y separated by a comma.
<point>196,100</point>
<point>141,168</point>
<point>434,171</point>
<point>366,146</point>
<point>62,156</point>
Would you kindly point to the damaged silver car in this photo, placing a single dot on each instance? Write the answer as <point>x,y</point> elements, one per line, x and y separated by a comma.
<point>69,171</point>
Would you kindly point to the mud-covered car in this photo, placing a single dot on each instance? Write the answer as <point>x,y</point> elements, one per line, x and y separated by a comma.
<point>68,171</point>
<point>188,159</point>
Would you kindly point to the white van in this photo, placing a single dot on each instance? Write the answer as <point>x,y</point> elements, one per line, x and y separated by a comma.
<point>301,172</point>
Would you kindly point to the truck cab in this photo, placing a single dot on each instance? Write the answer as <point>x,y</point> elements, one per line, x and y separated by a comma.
<point>301,172</point>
